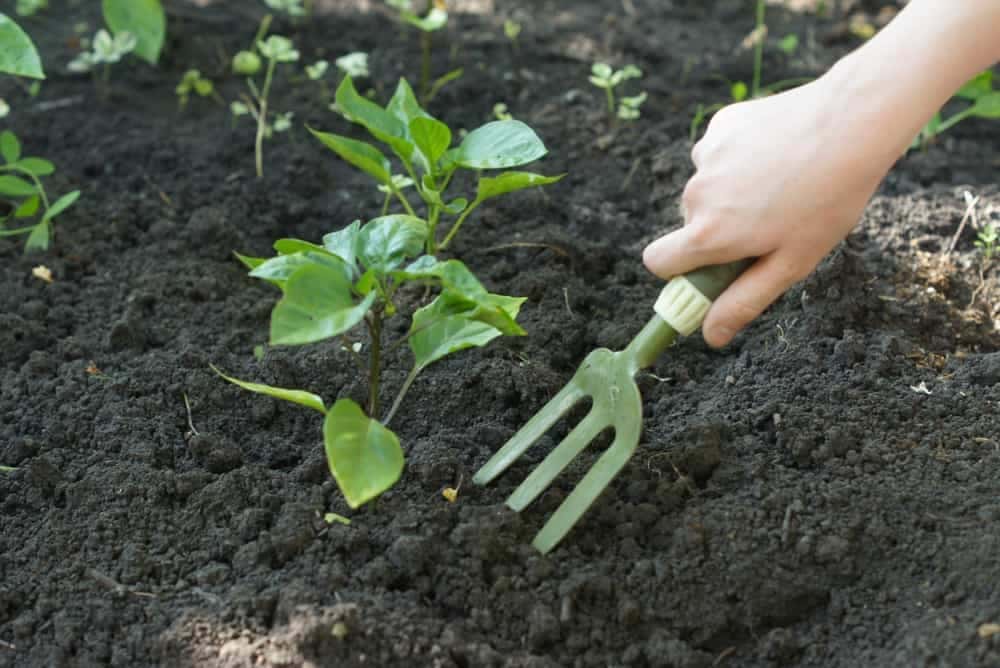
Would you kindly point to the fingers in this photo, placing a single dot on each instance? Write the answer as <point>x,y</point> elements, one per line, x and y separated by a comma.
<point>748,296</point>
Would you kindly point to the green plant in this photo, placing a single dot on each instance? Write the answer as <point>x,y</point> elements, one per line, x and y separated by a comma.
<point>605,77</point>
<point>739,91</point>
<point>18,55</point>
<point>293,8</point>
<point>194,82</point>
<point>501,112</point>
<point>144,19</point>
<point>104,52</point>
<point>21,186</point>
<point>435,19</point>
<point>984,102</point>
<point>274,50</point>
<point>987,239</point>
<point>7,469</point>
<point>30,7</point>
<point>423,146</point>
<point>356,277</point>
<point>512,30</point>
<point>353,64</point>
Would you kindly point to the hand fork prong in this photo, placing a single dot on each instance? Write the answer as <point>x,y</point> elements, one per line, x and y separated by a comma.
<point>557,460</point>
<point>529,433</point>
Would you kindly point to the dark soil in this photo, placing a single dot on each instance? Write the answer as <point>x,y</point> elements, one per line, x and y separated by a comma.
<point>823,492</point>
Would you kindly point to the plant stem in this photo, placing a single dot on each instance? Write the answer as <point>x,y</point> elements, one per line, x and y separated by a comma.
<point>410,377</point>
<point>262,118</point>
<point>611,101</point>
<point>406,204</point>
<point>265,25</point>
<point>458,224</point>
<point>432,223</point>
<point>374,361</point>
<point>758,51</point>
<point>954,120</point>
<point>385,202</point>
<point>425,65</point>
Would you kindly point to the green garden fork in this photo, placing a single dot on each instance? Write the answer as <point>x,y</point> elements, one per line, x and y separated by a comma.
<point>608,378</point>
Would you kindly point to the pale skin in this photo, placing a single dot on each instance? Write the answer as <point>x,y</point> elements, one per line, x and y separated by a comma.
<point>785,178</point>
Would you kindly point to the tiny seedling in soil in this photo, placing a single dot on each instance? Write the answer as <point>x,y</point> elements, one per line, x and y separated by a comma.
<point>353,64</point>
<point>21,187</point>
<point>435,19</point>
<point>194,83</point>
<point>987,240</point>
<point>423,145</point>
<point>604,76</point>
<point>274,49</point>
<point>512,30</point>
<point>355,278</point>
<point>984,102</point>
<point>740,91</point>
<point>104,52</point>
<point>30,7</point>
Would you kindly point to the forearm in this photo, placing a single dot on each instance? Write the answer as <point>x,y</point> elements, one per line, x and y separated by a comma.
<point>901,77</point>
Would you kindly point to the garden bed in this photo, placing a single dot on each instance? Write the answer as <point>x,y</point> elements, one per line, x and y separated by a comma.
<point>823,492</point>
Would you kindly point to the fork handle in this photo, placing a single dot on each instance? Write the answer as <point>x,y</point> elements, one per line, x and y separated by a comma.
<point>685,300</point>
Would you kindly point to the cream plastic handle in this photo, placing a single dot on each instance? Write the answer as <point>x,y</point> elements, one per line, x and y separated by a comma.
<point>682,306</point>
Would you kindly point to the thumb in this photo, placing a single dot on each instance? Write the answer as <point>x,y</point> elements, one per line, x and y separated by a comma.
<point>756,289</point>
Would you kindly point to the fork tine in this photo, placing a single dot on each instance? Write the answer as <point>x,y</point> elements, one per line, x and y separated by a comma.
<point>587,491</point>
<point>529,433</point>
<point>557,460</point>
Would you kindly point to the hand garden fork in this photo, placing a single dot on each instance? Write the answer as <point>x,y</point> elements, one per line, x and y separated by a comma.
<point>608,378</point>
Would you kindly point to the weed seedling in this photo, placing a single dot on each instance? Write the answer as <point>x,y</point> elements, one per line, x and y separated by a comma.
<point>21,186</point>
<point>194,82</point>
<point>354,65</point>
<point>355,279</point>
<point>274,50</point>
<point>984,102</point>
<point>987,240</point>
<point>423,146</point>
<point>435,19</point>
<point>104,52</point>
<point>605,77</point>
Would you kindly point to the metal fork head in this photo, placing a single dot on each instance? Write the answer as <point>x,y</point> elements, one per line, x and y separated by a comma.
<point>608,379</point>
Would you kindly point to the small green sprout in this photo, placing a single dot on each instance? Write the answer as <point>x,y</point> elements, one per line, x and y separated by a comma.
<point>104,52</point>
<point>274,50</point>
<point>628,109</point>
<point>435,19</point>
<point>501,113</point>
<point>987,239</point>
<point>356,278</point>
<point>293,8</point>
<point>317,70</point>
<point>512,30</point>
<point>354,65</point>
<point>30,7</point>
<point>21,187</point>
<point>984,102</point>
<point>604,76</point>
<point>789,44</point>
<point>194,82</point>
<point>423,145</point>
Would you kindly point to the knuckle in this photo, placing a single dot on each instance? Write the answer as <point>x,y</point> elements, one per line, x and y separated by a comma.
<point>703,235</point>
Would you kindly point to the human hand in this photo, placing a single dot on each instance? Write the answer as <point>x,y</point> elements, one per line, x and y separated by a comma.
<point>782,179</point>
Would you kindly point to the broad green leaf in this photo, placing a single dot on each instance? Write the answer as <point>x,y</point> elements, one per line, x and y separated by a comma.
<point>144,19</point>
<point>432,137</point>
<point>279,269</point>
<point>18,55</point>
<point>511,181</point>
<point>438,330</point>
<point>385,243</point>
<point>317,305</point>
<point>344,243</point>
<point>498,145</point>
<point>29,207</point>
<point>456,206</point>
<point>39,238</point>
<point>61,205</point>
<point>365,457</point>
<point>10,147</point>
<point>364,156</point>
<point>988,106</point>
<point>382,124</point>
<point>307,399</point>
<point>14,186</point>
<point>250,262</point>
<point>37,166</point>
<point>404,104</point>
<point>977,86</point>
<point>452,274</point>
<point>290,246</point>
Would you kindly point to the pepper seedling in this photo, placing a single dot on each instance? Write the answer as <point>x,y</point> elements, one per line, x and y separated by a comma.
<point>435,19</point>
<point>274,50</point>
<point>21,186</point>
<point>194,82</point>
<point>354,278</point>
<point>984,102</point>
<point>423,146</point>
<point>605,77</point>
